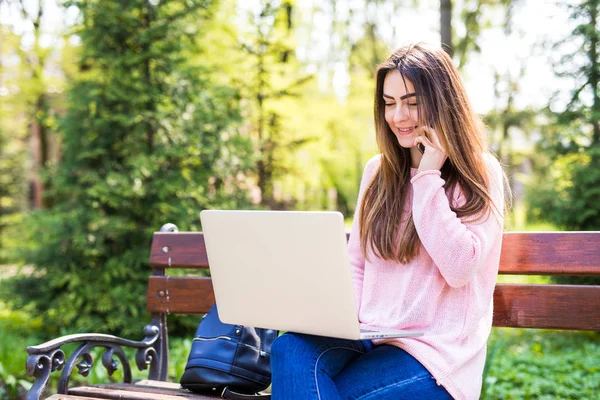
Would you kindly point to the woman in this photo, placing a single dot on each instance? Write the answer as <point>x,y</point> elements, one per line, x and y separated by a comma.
<point>424,249</point>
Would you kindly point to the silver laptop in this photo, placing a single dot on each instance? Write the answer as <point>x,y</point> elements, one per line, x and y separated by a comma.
<point>285,270</point>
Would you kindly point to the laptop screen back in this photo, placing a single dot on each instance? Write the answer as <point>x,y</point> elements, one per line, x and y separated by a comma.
<point>285,270</point>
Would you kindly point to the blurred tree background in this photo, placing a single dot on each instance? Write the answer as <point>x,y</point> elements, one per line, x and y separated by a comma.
<point>119,116</point>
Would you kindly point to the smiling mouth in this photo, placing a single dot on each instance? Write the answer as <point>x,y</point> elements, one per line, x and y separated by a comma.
<point>406,131</point>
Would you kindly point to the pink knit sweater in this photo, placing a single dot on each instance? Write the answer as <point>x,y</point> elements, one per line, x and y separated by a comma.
<point>446,291</point>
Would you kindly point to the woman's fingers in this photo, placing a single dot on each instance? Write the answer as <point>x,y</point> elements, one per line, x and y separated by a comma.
<point>432,139</point>
<point>435,156</point>
<point>423,140</point>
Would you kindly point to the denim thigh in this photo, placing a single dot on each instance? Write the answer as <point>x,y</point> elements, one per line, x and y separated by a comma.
<point>387,372</point>
<point>302,366</point>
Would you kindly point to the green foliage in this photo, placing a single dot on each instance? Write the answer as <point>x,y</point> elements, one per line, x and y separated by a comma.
<point>17,328</point>
<point>271,77</point>
<point>475,19</point>
<point>568,195</point>
<point>12,153</point>
<point>536,364</point>
<point>12,190</point>
<point>148,138</point>
<point>581,63</point>
<point>568,190</point>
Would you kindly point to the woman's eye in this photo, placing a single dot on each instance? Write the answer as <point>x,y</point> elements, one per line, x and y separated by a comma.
<point>389,104</point>
<point>412,104</point>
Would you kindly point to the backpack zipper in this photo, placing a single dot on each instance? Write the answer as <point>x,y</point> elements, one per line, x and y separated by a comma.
<point>201,339</point>
<point>261,336</point>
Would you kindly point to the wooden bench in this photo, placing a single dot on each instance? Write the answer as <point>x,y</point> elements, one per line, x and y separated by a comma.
<point>548,306</point>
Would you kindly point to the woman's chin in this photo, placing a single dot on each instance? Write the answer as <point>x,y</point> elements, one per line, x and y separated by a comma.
<point>406,142</point>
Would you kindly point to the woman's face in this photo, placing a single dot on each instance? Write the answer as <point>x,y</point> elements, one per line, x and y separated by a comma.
<point>400,104</point>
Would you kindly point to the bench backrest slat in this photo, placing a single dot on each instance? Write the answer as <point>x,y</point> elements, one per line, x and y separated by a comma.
<point>180,295</point>
<point>519,306</point>
<point>523,253</point>
<point>178,250</point>
<point>547,306</point>
<point>550,253</point>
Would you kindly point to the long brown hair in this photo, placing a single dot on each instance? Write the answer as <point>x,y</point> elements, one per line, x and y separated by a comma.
<point>444,106</point>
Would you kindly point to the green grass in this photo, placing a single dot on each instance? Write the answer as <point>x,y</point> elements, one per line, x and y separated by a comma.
<point>541,364</point>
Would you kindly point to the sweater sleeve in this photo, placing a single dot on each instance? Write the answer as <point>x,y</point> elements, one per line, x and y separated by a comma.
<point>355,253</point>
<point>458,246</point>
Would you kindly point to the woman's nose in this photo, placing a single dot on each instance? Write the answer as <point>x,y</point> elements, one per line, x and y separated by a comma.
<point>401,113</point>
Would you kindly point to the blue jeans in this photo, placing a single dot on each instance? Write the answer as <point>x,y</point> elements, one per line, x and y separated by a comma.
<point>313,367</point>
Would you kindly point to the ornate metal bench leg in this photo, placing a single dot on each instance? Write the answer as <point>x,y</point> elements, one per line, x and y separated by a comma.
<point>163,342</point>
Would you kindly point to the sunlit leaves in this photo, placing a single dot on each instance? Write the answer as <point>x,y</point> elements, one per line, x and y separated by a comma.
<point>148,138</point>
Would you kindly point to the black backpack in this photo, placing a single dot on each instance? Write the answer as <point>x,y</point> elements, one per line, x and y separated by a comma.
<point>232,361</point>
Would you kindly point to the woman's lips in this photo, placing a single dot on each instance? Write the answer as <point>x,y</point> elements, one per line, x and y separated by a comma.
<point>405,131</point>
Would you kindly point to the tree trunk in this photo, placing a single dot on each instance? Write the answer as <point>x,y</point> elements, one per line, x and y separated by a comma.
<point>35,183</point>
<point>446,25</point>
<point>594,72</point>
<point>151,107</point>
<point>38,140</point>
<point>261,164</point>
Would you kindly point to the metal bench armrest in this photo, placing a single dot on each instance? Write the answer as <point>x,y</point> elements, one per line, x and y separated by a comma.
<point>48,357</point>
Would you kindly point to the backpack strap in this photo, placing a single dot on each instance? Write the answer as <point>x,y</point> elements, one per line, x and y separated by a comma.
<point>230,395</point>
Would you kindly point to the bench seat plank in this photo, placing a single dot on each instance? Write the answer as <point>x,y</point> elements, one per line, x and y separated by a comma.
<point>143,390</point>
<point>69,397</point>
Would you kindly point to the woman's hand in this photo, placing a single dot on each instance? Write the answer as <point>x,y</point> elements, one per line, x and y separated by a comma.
<point>434,155</point>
